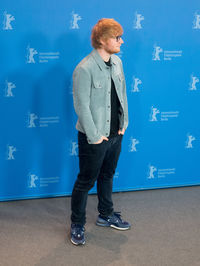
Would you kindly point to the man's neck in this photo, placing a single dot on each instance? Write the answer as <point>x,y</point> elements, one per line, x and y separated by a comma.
<point>104,55</point>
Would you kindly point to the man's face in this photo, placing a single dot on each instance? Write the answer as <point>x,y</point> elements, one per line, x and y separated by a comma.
<point>112,45</point>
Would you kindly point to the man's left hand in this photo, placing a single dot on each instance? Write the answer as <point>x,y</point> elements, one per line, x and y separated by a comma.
<point>121,132</point>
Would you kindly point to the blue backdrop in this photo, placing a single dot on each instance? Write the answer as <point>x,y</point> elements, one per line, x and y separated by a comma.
<point>42,42</point>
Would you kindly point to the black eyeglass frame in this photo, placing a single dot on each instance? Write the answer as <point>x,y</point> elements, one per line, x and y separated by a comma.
<point>118,38</point>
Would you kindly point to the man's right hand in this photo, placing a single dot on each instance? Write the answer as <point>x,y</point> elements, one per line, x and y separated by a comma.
<point>101,140</point>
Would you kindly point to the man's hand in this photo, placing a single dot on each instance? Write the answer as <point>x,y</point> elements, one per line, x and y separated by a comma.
<point>101,140</point>
<point>121,132</point>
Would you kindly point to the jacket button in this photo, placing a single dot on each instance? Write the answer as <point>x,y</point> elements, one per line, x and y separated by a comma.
<point>107,120</point>
<point>108,106</point>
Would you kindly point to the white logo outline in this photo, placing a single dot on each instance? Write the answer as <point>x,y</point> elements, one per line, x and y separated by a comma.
<point>74,21</point>
<point>8,18</point>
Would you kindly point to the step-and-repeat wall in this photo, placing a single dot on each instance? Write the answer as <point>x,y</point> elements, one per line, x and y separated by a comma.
<point>41,42</point>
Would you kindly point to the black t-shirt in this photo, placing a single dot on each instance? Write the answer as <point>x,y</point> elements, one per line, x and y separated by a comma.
<point>115,104</point>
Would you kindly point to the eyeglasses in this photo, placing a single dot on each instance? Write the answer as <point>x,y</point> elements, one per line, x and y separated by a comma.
<point>118,38</point>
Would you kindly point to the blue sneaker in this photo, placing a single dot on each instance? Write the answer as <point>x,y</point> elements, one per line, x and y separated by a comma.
<point>114,221</point>
<point>77,234</point>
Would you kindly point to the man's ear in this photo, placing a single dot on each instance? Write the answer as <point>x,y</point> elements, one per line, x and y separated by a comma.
<point>102,41</point>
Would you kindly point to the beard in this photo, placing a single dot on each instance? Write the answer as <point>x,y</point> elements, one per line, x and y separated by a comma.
<point>112,50</point>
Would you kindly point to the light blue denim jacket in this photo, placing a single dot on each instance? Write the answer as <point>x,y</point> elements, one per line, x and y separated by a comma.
<point>91,94</point>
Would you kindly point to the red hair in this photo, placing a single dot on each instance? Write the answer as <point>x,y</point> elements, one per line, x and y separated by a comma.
<point>104,29</point>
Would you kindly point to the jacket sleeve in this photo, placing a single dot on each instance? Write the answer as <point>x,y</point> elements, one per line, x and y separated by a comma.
<point>81,97</point>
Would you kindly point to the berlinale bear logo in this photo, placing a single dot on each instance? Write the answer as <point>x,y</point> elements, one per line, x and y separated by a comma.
<point>8,18</point>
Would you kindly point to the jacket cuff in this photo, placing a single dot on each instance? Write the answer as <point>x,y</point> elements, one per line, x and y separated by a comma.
<point>92,140</point>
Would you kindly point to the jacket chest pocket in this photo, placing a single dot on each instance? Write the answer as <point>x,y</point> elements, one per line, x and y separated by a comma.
<point>119,81</point>
<point>97,84</point>
<point>98,91</point>
<point>120,78</point>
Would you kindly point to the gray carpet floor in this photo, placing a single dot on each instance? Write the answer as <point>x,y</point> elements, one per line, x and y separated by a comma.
<point>165,231</point>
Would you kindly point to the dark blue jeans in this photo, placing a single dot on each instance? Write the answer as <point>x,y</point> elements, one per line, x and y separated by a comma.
<point>96,162</point>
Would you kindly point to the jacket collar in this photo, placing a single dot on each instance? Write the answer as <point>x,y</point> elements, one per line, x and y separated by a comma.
<point>100,61</point>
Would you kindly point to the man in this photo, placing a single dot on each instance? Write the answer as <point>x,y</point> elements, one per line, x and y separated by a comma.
<point>100,101</point>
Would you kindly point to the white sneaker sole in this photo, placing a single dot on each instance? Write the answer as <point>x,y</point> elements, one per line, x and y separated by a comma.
<point>77,244</point>
<point>113,226</point>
